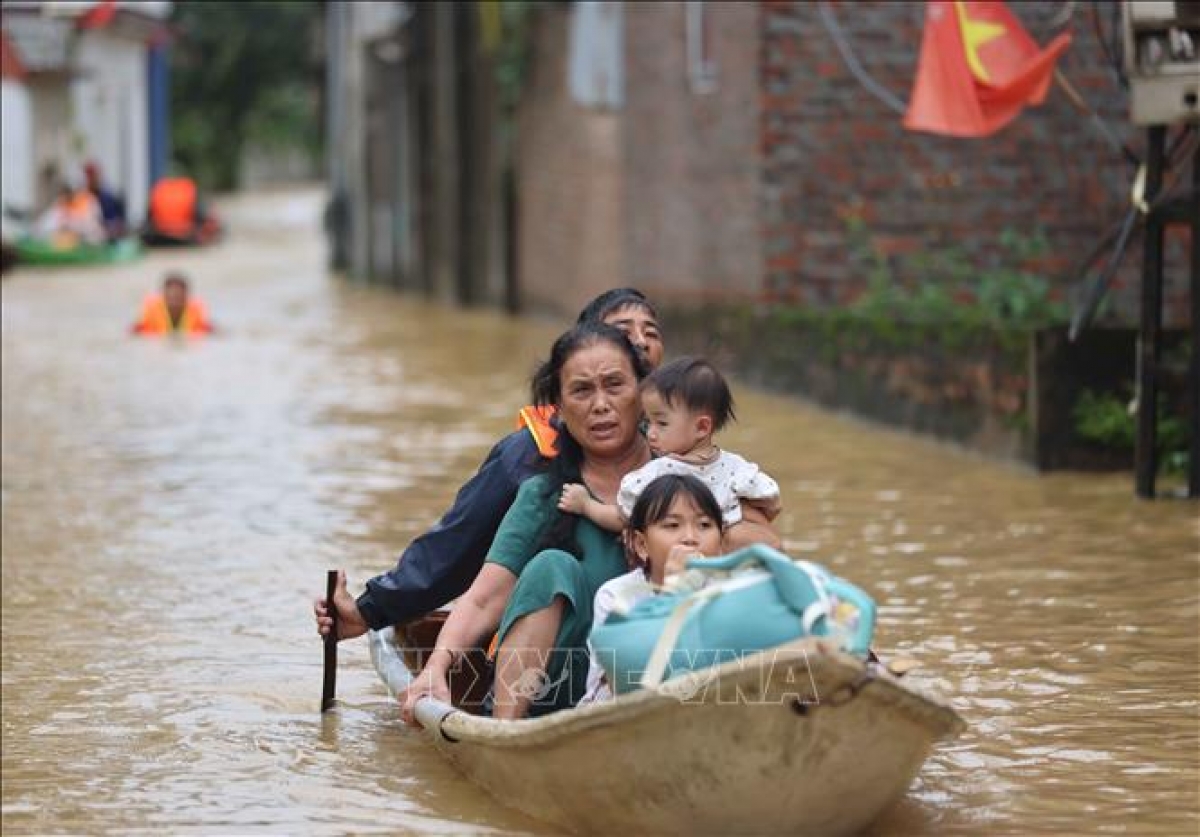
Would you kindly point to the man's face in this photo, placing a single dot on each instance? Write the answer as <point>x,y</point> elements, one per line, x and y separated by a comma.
<point>175,296</point>
<point>642,329</point>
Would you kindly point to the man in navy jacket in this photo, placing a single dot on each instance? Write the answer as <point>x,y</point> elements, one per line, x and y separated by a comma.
<point>441,564</point>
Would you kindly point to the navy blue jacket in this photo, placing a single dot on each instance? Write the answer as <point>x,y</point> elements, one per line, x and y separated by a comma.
<point>441,564</point>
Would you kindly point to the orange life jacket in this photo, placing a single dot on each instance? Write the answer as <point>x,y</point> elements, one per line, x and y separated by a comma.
<point>156,319</point>
<point>82,206</point>
<point>173,206</point>
<point>537,420</point>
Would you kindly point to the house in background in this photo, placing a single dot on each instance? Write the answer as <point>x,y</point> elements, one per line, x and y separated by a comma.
<point>92,79</point>
<point>419,193</point>
<point>16,155</point>
<point>735,154</point>
<point>703,150</point>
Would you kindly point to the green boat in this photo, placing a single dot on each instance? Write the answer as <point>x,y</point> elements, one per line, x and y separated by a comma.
<point>40,252</point>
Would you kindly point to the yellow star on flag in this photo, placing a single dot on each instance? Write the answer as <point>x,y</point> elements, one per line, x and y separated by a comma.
<point>976,33</point>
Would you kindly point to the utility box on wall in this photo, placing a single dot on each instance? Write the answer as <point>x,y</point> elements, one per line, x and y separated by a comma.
<point>1161,42</point>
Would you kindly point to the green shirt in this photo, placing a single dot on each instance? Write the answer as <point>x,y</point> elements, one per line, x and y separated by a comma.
<point>517,539</point>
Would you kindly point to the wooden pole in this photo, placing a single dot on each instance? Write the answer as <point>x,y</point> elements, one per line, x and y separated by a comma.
<point>1150,334</point>
<point>1194,371</point>
<point>329,681</point>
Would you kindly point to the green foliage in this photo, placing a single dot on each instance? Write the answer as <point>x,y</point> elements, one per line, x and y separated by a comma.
<point>243,73</point>
<point>1107,421</point>
<point>944,287</point>
<point>1104,420</point>
<point>512,61</point>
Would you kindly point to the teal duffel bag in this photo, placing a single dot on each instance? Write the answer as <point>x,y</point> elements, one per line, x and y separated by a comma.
<point>748,601</point>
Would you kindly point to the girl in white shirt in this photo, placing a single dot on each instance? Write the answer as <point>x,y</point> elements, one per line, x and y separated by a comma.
<point>676,517</point>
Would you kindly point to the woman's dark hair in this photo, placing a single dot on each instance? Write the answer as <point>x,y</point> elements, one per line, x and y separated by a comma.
<point>697,384</point>
<point>655,501</point>
<point>614,300</point>
<point>546,388</point>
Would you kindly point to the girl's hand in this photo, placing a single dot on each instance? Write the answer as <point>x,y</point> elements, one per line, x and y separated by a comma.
<point>676,562</point>
<point>431,682</point>
<point>574,498</point>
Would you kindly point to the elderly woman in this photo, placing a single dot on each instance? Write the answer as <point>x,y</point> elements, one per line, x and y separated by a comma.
<point>544,567</point>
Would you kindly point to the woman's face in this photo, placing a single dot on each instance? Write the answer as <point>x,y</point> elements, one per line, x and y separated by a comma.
<point>684,525</point>
<point>600,403</point>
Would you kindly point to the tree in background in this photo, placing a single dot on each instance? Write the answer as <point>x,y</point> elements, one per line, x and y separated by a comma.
<point>244,74</point>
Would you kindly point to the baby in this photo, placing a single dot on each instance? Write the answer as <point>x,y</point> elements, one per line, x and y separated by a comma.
<point>685,402</point>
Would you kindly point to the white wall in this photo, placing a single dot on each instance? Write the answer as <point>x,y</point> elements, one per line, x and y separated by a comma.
<point>109,97</point>
<point>16,151</point>
<point>52,138</point>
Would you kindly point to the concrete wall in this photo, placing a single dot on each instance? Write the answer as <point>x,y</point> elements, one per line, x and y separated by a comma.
<point>691,219</point>
<point>17,185</point>
<point>111,115</point>
<point>570,182</point>
<point>53,138</point>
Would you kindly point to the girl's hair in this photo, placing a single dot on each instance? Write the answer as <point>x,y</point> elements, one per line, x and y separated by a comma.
<point>614,300</point>
<point>697,384</point>
<point>655,501</point>
<point>546,388</point>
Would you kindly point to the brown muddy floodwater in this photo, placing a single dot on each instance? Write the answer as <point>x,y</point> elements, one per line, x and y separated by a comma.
<point>170,508</point>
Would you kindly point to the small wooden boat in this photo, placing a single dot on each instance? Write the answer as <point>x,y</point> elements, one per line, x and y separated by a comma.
<point>43,252</point>
<point>801,739</point>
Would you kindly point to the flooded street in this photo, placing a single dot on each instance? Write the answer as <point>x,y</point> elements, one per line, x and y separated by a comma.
<point>170,509</point>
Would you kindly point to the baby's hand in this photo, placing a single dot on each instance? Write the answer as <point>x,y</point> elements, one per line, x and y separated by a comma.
<point>574,498</point>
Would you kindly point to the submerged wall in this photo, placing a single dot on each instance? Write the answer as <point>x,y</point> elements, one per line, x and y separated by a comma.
<point>1011,395</point>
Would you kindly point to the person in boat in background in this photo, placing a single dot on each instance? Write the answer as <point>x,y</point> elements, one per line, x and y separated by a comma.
<point>178,215</point>
<point>174,311</point>
<point>536,588</point>
<point>676,517</point>
<point>73,218</point>
<point>112,208</point>
<point>685,402</point>
<point>441,564</point>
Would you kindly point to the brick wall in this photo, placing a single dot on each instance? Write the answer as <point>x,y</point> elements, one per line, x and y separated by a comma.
<point>832,150</point>
<point>692,159</point>
<point>569,183</point>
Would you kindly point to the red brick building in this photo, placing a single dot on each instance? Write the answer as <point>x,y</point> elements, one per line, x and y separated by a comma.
<point>736,148</point>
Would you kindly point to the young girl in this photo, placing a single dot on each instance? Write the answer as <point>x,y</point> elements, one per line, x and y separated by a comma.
<point>685,403</point>
<point>675,518</point>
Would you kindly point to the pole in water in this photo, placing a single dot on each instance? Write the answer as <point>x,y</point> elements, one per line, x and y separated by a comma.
<point>329,684</point>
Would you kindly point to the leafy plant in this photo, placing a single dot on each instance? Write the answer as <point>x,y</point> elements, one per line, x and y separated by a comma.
<point>241,73</point>
<point>944,285</point>
<point>1107,420</point>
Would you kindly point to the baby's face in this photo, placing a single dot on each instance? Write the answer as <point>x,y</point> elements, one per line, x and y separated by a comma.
<point>670,428</point>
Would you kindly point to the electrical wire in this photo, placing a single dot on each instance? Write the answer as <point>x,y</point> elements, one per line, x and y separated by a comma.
<point>1111,51</point>
<point>879,91</point>
<point>1183,146</point>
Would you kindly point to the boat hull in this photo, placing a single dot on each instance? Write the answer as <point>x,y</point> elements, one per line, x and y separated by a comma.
<point>36,252</point>
<point>799,740</point>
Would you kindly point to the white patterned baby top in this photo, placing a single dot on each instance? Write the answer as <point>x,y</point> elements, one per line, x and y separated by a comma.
<point>730,478</point>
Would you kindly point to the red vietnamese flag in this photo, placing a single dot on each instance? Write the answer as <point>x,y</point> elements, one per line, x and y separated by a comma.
<point>98,16</point>
<point>978,69</point>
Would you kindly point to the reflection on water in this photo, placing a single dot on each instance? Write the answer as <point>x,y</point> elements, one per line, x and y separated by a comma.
<point>169,508</point>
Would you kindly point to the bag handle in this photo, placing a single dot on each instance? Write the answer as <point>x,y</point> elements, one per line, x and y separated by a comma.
<point>660,656</point>
<point>800,583</point>
<point>803,585</point>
